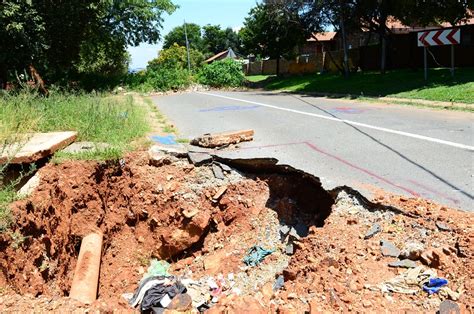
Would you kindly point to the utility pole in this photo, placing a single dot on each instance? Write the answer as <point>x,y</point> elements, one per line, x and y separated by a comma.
<point>187,45</point>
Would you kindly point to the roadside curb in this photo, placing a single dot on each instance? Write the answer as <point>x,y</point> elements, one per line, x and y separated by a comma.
<point>389,100</point>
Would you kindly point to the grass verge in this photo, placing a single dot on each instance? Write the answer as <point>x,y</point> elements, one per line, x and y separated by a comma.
<point>115,120</point>
<point>400,84</point>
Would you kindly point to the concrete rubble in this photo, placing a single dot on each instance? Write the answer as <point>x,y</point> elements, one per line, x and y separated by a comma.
<point>33,147</point>
<point>223,139</point>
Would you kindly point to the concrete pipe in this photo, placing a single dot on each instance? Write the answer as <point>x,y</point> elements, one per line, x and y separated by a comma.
<point>86,275</point>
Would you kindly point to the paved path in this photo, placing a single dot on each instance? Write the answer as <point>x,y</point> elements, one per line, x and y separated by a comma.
<point>404,150</point>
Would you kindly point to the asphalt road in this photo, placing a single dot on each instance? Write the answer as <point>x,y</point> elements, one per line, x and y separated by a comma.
<point>404,150</point>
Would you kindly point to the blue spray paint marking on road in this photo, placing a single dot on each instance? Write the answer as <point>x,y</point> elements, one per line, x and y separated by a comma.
<point>347,110</point>
<point>229,108</point>
<point>166,140</point>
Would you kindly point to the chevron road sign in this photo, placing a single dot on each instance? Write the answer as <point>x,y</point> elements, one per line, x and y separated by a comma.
<point>439,37</point>
<point>451,36</point>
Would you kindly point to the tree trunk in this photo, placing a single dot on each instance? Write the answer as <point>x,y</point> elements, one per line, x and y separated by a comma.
<point>278,66</point>
<point>383,55</point>
<point>383,44</point>
<point>3,76</point>
<point>344,46</point>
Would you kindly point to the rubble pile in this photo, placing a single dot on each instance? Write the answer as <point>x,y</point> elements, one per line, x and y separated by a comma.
<point>182,234</point>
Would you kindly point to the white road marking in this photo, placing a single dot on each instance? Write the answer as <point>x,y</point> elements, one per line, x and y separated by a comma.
<point>363,125</point>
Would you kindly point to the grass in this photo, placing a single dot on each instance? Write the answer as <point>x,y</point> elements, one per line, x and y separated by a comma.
<point>400,83</point>
<point>115,120</point>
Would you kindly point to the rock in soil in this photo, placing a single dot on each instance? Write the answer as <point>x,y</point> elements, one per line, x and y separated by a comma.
<point>389,249</point>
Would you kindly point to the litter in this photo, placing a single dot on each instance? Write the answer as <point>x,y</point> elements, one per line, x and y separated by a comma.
<point>156,293</point>
<point>279,283</point>
<point>409,282</point>
<point>255,255</point>
<point>434,285</point>
<point>157,268</point>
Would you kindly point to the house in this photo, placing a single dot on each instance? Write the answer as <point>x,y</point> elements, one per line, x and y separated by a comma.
<point>318,43</point>
<point>229,53</point>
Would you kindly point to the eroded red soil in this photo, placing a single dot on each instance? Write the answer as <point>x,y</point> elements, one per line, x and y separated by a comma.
<point>169,213</point>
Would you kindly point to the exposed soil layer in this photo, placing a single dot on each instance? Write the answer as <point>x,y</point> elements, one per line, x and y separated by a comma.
<point>172,212</point>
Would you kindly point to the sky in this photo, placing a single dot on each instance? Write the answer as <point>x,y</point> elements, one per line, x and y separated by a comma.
<point>226,13</point>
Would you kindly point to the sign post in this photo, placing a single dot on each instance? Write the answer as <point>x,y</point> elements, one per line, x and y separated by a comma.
<point>445,36</point>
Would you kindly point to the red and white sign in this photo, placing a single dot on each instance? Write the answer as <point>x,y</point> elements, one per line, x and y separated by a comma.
<point>450,36</point>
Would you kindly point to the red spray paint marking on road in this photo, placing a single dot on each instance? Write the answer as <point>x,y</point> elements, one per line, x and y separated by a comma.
<point>347,163</point>
<point>455,201</point>
<point>370,173</point>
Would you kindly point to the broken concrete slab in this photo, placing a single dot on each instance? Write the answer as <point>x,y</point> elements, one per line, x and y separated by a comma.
<point>223,139</point>
<point>159,158</point>
<point>376,228</point>
<point>224,167</point>
<point>442,226</point>
<point>389,249</point>
<point>36,146</point>
<point>199,159</point>
<point>406,263</point>
<point>218,172</point>
<point>176,150</point>
<point>29,186</point>
<point>80,147</point>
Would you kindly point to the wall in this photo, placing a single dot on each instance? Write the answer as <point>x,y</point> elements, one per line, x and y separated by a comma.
<point>402,52</point>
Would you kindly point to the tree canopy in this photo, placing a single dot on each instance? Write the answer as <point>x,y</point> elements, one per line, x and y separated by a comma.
<point>210,39</point>
<point>64,39</point>
<point>273,30</point>
<point>177,36</point>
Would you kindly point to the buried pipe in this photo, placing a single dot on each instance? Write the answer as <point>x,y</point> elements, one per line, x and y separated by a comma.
<point>86,275</point>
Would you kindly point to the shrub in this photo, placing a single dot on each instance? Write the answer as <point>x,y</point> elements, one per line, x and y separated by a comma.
<point>225,73</point>
<point>176,57</point>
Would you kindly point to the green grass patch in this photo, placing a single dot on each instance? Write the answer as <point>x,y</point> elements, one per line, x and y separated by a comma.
<point>258,78</point>
<point>115,120</point>
<point>400,83</point>
<point>97,118</point>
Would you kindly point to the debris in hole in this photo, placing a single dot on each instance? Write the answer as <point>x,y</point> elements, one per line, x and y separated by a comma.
<point>434,285</point>
<point>442,226</point>
<point>376,228</point>
<point>157,268</point>
<point>209,140</point>
<point>176,150</point>
<point>405,263</point>
<point>449,307</point>
<point>36,146</point>
<point>218,172</point>
<point>199,158</point>
<point>86,276</point>
<point>29,186</point>
<point>255,255</point>
<point>412,251</point>
<point>389,249</point>
<point>219,193</point>
<point>331,262</point>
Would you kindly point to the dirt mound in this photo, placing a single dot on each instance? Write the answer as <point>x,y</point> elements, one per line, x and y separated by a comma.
<point>204,226</point>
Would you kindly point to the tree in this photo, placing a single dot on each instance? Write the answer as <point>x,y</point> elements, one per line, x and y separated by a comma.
<point>319,15</point>
<point>61,37</point>
<point>177,36</point>
<point>273,30</point>
<point>216,40</point>
<point>176,57</point>
<point>374,14</point>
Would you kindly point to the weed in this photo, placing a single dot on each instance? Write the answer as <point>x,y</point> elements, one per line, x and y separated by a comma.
<point>169,129</point>
<point>112,153</point>
<point>183,140</point>
<point>17,239</point>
